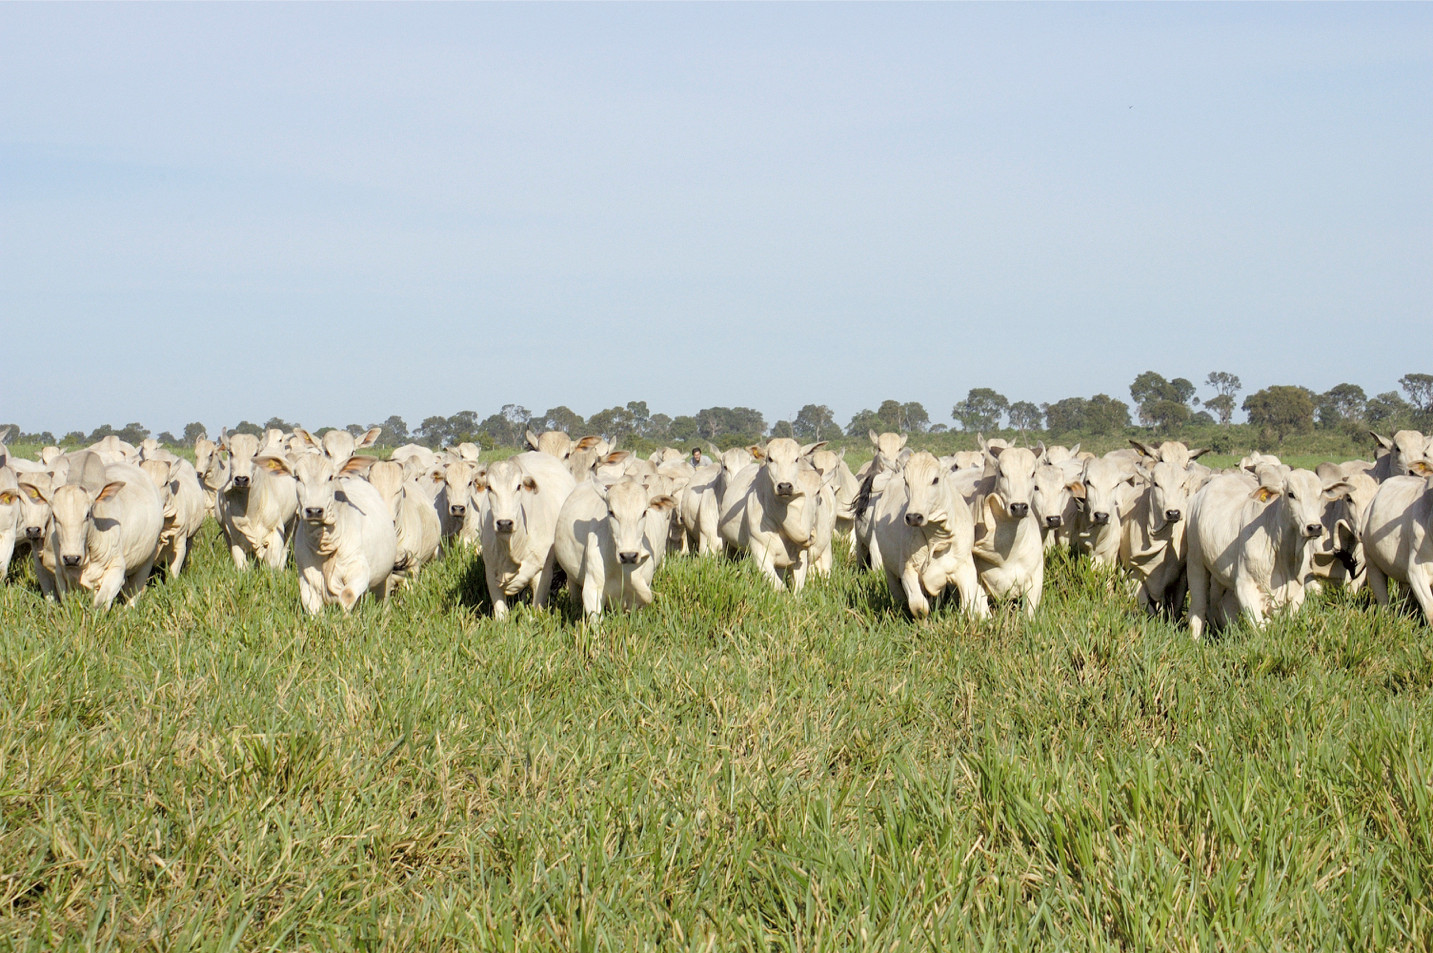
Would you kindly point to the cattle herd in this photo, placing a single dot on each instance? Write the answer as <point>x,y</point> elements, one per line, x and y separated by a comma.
<point>1242,541</point>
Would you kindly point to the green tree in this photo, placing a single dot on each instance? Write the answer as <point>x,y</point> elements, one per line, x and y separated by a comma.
<point>1156,399</point>
<point>1387,411</point>
<point>1281,409</point>
<point>1166,415</point>
<point>1067,415</point>
<point>1342,406</point>
<point>395,431</point>
<point>192,432</point>
<point>863,422</point>
<point>1223,405</point>
<point>683,429</point>
<point>814,422</point>
<point>782,428</point>
<point>1419,388</point>
<point>1025,415</point>
<point>561,418</point>
<point>1106,415</point>
<point>981,409</point>
<point>433,432</point>
<point>1226,385</point>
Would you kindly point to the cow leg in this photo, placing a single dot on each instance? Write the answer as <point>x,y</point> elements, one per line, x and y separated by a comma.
<point>311,590</point>
<point>542,584</point>
<point>766,561</point>
<point>972,596</point>
<point>1032,595</point>
<point>1378,584</point>
<point>108,586</point>
<point>181,551</point>
<point>1199,585</point>
<point>135,582</point>
<point>1421,589</point>
<point>916,600</point>
<point>241,559</point>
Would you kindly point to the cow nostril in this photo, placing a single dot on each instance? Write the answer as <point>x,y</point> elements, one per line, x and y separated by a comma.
<point>72,561</point>
<point>32,532</point>
<point>783,489</point>
<point>241,481</point>
<point>457,510</point>
<point>504,526</point>
<point>313,512</point>
<point>915,519</point>
<point>627,558</point>
<point>1019,509</point>
<point>1054,521</point>
<point>1101,517</point>
<point>1172,515</point>
<point>1314,529</point>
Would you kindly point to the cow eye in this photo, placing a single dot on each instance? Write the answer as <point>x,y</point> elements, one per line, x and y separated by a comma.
<point>610,513</point>
<point>935,481</point>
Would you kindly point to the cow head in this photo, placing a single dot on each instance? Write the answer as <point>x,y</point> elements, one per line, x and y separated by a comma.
<point>628,503</point>
<point>784,457</point>
<point>72,510</point>
<point>1014,478</point>
<point>318,478</point>
<point>1052,499</point>
<point>508,486</point>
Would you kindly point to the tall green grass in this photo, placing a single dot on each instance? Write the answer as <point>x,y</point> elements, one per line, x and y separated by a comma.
<point>732,768</point>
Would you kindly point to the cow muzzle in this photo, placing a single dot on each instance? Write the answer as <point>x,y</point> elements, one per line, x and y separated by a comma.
<point>33,532</point>
<point>1100,518</point>
<point>1173,516</point>
<point>1019,509</point>
<point>241,481</point>
<point>1314,530</point>
<point>458,510</point>
<point>784,489</point>
<point>915,519</point>
<point>503,526</point>
<point>70,561</point>
<point>628,558</point>
<point>1054,522</point>
<point>313,513</point>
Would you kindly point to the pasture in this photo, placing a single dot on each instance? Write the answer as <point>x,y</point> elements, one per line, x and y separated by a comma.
<point>733,768</point>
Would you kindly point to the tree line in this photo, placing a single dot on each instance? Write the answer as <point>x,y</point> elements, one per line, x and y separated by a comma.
<point>1165,406</point>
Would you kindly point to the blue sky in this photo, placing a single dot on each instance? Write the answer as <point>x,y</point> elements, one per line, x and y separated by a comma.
<point>335,212</point>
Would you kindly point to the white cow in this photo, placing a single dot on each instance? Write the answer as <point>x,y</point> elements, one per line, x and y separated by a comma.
<point>36,524</point>
<point>1153,542</point>
<point>415,521</point>
<point>1053,501</point>
<point>1248,544</point>
<point>553,442</point>
<point>1337,558</point>
<point>1398,540</point>
<point>1106,490</point>
<point>926,536</point>
<point>345,543</point>
<point>10,518</point>
<point>105,535</point>
<point>1009,551</point>
<point>1171,451</point>
<point>256,506</point>
<point>184,508</point>
<point>783,512</point>
<point>457,502</point>
<point>609,541</point>
<point>524,494</point>
<point>1409,453</point>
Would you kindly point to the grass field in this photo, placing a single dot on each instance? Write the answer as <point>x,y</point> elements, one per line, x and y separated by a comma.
<point>731,769</point>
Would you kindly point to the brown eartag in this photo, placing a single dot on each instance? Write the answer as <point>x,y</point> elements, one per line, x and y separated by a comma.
<point>1422,468</point>
<point>7,497</point>
<point>1265,494</point>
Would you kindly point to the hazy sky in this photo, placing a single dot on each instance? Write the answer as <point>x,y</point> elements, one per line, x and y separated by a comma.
<point>335,212</point>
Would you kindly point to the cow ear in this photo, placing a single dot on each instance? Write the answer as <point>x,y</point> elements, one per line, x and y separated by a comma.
<point>1145,450</point>
<point>875,440</point>
<point>663,502</point>
<point>531,438</point>
<point>1077,490</point>
<point>1420,468</point>
<point>110,491</point>
<point>9,497</point>
<point>994,451</point>
<point>437,475</point>
<point>1383,441</point>
<point>1265,493</point>
<point>758,452</point>
<point>1198,452</point>
<point>370,438</point>
<point>35,494</point>
<point>357,466</point>
<point>1339,490</point>
<point>274,464</point>
<point>529,484</point>
<point>811,448</point>
<point>587,443</point>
